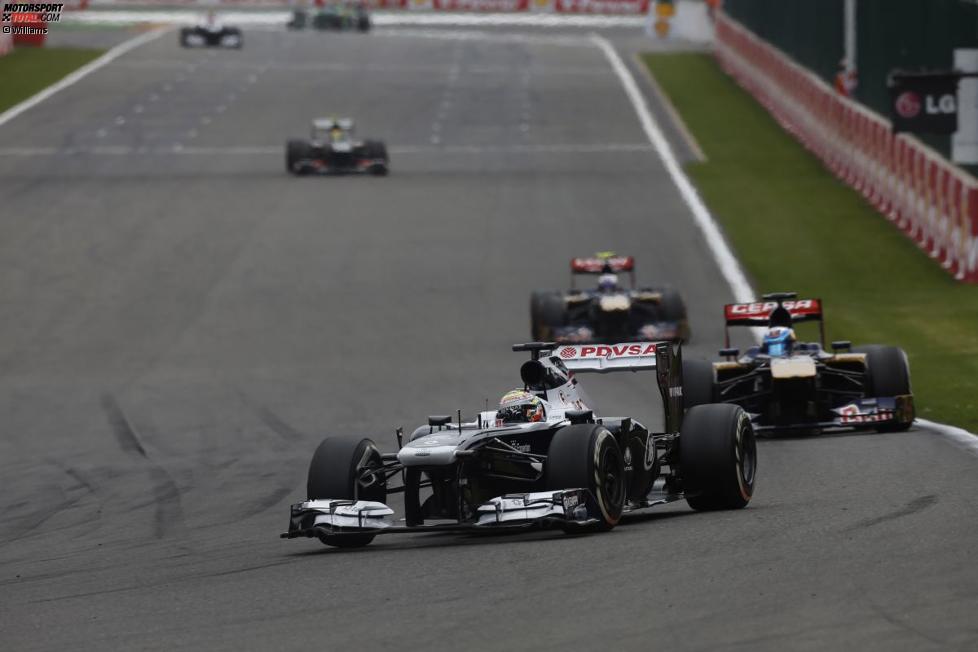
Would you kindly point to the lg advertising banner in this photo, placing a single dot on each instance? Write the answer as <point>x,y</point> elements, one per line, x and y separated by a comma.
<point>924,103</point>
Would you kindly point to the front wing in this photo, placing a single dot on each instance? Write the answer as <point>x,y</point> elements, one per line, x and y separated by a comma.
<point>865,413</point>
<point>324,166</point>
<point>565,508</point>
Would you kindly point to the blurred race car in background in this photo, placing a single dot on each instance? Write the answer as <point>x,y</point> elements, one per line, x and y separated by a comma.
<point>211,34</point>
<point>338,16</point>
<point>787,385</point>
<point>608,312</point>
<point>332,149</point>
<point>543,458</point>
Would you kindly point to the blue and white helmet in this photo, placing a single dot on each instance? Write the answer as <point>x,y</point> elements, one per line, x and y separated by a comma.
<point>778,341</point>
<point>608,282</point>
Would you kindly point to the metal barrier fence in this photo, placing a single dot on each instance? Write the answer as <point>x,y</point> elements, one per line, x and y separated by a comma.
<point>932,201</point>
<point>889,34</point>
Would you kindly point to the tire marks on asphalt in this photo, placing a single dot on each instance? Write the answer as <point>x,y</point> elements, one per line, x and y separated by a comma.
<point>168,515</point>
<point>914,506</point>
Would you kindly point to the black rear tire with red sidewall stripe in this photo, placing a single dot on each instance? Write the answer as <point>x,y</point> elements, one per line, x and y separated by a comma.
<point>718,457</point>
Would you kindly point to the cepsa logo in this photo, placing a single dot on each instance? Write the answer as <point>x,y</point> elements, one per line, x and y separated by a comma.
<point>744,309</point>
<point>617,351</point>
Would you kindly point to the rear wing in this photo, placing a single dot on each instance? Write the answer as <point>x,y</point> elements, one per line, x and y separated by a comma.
<point>776,309</point>
<point>665,358</point>
<point>603,264</point>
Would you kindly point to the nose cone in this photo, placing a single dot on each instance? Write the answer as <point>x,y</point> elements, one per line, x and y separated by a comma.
<point>434,450</point>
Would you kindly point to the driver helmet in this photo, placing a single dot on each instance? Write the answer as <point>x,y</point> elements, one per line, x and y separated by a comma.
<point>608,282</point>
<point>778,341</point>
<point>519,406</point>
<point>336,133</point>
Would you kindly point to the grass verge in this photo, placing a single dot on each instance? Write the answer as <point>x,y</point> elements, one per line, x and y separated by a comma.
<point>25,71</point>
<point>794,226</point>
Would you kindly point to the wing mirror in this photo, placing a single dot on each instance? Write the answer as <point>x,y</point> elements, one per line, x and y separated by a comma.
<point>439,421</point>
<point>841,345</point>
<point>580,416</point>
<point>730,353</point>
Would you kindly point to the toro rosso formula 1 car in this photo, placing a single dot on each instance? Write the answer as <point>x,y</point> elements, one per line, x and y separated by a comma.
<point>211,34</point>
<point>339,16</point>
<point>608,312</point>
<point>789,385</point>
<point>543,458</point>
<point>332,149</point>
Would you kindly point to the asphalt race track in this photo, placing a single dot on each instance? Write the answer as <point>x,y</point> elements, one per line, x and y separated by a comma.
<point>183,321</point>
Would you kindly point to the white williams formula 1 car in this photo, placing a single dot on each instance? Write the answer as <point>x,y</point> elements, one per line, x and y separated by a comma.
<point>211,34</point>
<point>543,458</point>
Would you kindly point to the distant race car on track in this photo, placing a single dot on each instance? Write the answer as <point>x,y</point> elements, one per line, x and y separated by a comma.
<point>543,458</point>
<point>338,16</point>
<point>608,312</point>
<point>211,33</point>
<point>332,149</point>
<point>789,385</point>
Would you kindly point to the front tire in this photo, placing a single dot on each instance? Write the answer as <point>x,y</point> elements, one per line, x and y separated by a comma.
<point>586,456</point>
<point>718,457</point>
<point>674,309</point>
<point>337,471</point>
<point>547,312</point>
<point>296,151</point>
<point>887,375</point>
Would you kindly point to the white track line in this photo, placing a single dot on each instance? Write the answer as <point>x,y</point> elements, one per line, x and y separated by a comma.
<point>722,254</point>
<point>79,74</point>
<point>960,436</point>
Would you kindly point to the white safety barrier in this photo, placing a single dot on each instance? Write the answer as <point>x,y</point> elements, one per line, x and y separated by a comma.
<point>928,198</point>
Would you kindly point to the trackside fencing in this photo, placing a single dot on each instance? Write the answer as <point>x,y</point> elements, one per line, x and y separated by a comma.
<point>932,201</point>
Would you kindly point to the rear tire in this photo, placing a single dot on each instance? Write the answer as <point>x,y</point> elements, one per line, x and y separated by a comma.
<point>184,35</point>
<point>718,457</point>
<point>697,383</point>
<point>335,472</point>
<point>586,456</point>
<point>887,375</point>
<point>547,312</point>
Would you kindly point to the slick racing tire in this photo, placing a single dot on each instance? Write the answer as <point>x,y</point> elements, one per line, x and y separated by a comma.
<point>674,309</point>
<point>363,24</point>
<point>887,374</point>
<point>295,151</point>
<point>376,149</point>
<point>718,457</point>
<point>232,34</point>
<point>697,383</point>
<point>586,456</point>
<point>337,471</point>
<point>185,33</point>
<point>547,312</point>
